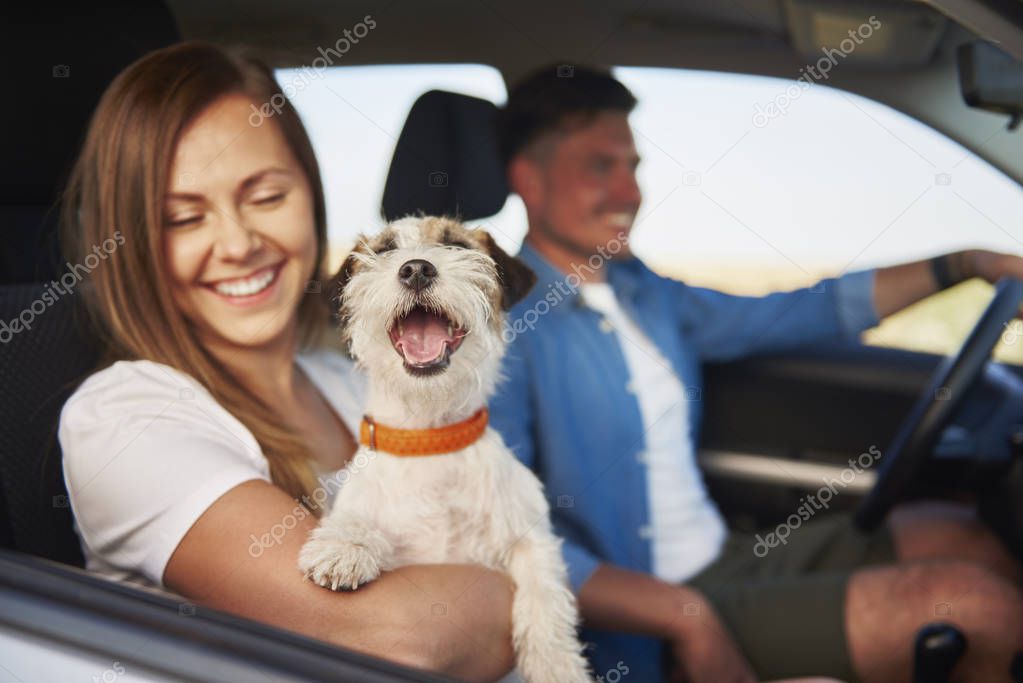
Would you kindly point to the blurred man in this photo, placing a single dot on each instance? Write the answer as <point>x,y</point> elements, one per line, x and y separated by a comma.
<point>602,400</point>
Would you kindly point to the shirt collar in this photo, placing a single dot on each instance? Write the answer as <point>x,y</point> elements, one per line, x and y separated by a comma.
<point>623,274</point>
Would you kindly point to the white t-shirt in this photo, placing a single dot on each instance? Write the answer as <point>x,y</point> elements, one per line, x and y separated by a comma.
<point>147,450</point>
<point>686,528</point>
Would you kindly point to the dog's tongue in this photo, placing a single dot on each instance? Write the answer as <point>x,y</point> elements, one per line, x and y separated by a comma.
<point>422,337</point>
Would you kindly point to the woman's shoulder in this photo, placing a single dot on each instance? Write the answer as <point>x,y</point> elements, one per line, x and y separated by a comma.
<point>137,382</point>
<point>131,396</point>
<point>146,449</point>
<point>144,373</point>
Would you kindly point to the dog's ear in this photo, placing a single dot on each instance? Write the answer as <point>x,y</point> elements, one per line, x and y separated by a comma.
<point>516,277</point>
<point>344,274</point>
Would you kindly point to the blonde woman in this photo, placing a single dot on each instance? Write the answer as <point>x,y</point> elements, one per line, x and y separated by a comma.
<point>200,455</point>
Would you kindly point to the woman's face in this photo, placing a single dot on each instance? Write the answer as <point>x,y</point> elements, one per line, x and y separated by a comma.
<point>239,229</point>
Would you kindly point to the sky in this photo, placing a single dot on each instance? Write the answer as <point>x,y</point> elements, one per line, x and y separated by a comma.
<point>837,182</point>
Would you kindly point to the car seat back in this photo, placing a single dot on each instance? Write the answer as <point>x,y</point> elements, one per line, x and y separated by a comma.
<point>446,160</point>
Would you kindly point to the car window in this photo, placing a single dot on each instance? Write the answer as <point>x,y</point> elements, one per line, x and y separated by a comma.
<point>354,115</point>
<point>752,184</point>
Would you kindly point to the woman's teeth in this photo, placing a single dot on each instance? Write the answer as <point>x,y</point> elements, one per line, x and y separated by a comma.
<point>248,286</point>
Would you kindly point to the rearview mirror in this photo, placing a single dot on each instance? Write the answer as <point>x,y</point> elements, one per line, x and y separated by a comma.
<point>991,80</point>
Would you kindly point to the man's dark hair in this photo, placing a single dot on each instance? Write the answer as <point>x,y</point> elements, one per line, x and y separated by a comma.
<point>552,96</point>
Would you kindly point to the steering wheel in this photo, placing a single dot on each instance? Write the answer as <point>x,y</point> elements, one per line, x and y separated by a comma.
<point>919,433</point>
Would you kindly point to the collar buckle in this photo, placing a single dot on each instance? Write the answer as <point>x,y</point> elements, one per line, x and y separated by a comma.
<point>372,433</point>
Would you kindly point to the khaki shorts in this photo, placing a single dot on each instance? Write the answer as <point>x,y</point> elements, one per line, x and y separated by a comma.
<point>785,605</point>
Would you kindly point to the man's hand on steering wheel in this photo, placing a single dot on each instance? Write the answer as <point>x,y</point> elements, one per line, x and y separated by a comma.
<point>991,265</point>
<point>907,455</point>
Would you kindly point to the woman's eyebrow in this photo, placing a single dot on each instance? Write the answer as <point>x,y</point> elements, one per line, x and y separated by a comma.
<point>242,187</point>
<point>260,175</point>
<point>184,196</point>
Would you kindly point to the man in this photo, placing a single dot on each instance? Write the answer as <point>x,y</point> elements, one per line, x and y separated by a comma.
<point>603,369</point>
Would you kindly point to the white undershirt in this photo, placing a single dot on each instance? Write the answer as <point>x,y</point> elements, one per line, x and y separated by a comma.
<point>686,528</point>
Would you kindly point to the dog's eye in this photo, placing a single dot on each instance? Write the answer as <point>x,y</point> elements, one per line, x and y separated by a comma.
<point>388,245</point>
<point>461,244</point>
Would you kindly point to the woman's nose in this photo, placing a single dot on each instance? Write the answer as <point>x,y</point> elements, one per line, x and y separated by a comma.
<point>234,240</point>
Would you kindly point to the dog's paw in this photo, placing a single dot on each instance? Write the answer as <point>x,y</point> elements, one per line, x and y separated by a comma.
<point>338,566</point>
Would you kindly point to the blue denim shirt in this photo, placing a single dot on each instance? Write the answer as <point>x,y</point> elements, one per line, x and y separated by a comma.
<point>566,409</point>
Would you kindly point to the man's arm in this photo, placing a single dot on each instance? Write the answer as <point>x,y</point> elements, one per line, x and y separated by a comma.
<point>900,286</point>
<point>618,599</point>
<point>723,326</point>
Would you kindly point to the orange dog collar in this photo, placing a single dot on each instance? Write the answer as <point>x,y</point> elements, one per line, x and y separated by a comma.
<point>446,439</point>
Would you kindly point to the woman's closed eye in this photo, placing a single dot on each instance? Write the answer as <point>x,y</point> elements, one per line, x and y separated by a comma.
<point>269,198</point>
<point>182,221</point>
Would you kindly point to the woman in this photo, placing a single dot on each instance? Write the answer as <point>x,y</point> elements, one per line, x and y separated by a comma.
<point>191,458</point>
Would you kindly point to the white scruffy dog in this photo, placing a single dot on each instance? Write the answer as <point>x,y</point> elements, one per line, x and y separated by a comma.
<point>422,309</point>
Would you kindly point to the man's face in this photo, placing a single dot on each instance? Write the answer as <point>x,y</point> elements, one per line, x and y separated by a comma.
<point>584,192</point>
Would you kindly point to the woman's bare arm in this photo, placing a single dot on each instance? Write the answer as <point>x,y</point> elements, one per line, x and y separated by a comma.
<point>454,619</point>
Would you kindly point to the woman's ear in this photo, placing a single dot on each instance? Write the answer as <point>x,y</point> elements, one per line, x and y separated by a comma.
<point>515,276</point>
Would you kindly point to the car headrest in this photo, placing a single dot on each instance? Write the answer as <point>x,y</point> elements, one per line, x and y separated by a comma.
<point>62,58</point>
<point>446,160</point>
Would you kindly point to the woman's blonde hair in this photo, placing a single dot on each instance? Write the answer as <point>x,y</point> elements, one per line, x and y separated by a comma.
<point>117,191</point>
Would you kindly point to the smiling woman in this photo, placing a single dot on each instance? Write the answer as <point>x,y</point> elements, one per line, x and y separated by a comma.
<point>191,455</point>
<point>239,254</point>
<point>192,222</point>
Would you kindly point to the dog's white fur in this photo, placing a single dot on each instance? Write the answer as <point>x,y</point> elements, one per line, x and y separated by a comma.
<point>478,505</point>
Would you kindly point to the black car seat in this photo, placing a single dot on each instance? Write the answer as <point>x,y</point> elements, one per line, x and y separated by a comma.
<point>61,59</point>
<point>39,368</point>
<point>446,160</point>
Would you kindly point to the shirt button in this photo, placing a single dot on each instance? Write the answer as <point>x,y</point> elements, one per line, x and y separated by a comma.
<point>630,387</point>
<point>642,457</point>
<point>606,326</point>
<point>646,531</point>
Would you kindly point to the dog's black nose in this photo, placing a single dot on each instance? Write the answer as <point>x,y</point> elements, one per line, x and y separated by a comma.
<point>417,274</point>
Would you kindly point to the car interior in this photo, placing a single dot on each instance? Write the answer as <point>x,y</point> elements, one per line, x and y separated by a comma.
<point>775,426</point>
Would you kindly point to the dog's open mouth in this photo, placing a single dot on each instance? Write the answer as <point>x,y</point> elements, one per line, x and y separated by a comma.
<point>425,339</point>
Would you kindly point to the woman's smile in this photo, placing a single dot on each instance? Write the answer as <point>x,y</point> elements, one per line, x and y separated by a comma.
<point>248,290</point>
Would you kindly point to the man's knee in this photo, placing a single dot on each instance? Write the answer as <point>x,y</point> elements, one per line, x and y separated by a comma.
<point>887,606</point>
<point>972,596</point>
<point>944,531</point>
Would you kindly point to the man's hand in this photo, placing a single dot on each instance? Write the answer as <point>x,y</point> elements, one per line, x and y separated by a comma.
<point>703,651</point>
<point>992,265</point>
<point>899,286</point>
